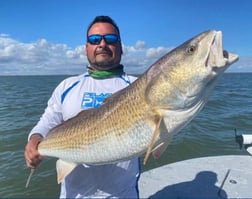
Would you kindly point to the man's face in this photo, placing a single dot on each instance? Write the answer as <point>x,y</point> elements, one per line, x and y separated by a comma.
<point>103,56</point>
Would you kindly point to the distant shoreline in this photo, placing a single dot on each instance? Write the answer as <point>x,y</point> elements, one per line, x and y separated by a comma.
<point>67,75</point>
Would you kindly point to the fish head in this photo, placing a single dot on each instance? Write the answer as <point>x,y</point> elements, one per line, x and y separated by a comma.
<point>187,74</point>
<point>198,62</point>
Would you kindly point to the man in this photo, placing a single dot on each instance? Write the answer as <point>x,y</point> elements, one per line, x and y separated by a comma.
<point>105,76</point>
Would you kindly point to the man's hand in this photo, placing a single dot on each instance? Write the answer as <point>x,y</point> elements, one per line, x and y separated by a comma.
<point>32,157</point>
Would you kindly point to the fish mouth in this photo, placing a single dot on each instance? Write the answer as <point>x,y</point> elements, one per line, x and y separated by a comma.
<point>217,57</point>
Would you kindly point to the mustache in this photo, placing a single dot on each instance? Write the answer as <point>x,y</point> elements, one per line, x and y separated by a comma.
<point>103,50</point>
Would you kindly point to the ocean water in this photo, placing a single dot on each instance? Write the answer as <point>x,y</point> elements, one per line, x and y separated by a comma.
<point>23,99</point>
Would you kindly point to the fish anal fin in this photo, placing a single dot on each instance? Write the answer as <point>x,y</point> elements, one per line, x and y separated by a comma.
<point>158,120</point>
<point>63,168</point>
<point>159,150</point>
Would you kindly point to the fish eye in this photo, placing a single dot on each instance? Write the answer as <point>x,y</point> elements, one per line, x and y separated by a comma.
<point>191,49</point>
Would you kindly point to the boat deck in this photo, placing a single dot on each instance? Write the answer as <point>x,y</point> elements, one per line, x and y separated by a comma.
<point>208,177</point>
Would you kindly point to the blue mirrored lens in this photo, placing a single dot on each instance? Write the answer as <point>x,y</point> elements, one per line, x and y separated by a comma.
<point>94,39</point>
<point>109,39</point>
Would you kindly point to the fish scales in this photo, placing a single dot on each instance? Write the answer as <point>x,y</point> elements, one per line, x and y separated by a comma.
<point>144,116</point>
<point>124,110</point>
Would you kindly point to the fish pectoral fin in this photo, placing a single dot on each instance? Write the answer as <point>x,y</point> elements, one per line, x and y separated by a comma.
<point>159,150</point>
<point>154,138</point>
<point>63,169</point>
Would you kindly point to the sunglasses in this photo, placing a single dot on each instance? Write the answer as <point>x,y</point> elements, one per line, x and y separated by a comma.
<point>108,38</point>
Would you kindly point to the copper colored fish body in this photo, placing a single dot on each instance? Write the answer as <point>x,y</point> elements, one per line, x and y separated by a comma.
<point>143,117</point>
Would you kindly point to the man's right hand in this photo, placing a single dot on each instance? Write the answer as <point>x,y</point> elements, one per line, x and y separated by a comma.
<point>32,156</point>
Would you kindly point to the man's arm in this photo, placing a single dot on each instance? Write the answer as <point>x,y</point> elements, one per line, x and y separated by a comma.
<point>51,117</point>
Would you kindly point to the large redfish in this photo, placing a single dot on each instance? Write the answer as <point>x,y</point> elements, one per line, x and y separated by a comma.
<point>142,117</point>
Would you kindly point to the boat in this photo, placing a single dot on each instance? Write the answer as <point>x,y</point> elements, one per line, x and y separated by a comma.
<point>227,176</point>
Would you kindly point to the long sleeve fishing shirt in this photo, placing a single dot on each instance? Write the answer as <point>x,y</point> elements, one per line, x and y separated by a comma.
<point>71,96</point>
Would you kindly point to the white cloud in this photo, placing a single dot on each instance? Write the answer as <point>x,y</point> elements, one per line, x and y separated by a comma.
<point>140,45</point>
<point>138,58</point>
<point>4,35</point>
<point>155,53</point>
<point>40,57</point>
<point>43,57</point>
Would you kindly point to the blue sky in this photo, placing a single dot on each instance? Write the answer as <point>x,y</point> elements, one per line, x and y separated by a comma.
<point>48,36</point>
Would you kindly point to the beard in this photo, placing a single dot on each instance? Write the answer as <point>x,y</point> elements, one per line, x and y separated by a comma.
<point>104,61</point>
<point>102,64</point>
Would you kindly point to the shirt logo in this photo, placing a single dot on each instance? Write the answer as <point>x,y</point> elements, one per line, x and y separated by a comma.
<point>92,100</point>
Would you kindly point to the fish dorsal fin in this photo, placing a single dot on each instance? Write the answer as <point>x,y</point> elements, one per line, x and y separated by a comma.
<point>156,133</point>
<point>63,169</point>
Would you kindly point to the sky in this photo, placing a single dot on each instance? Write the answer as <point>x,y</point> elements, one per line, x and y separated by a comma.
<point>41,37</point>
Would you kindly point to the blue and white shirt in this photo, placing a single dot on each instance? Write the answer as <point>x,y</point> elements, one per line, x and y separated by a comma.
<point>71,96</point>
